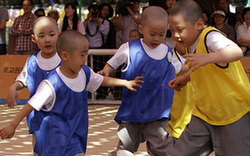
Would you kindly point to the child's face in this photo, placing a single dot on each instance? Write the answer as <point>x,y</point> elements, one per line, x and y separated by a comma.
<point>45,36</point>
<point>154,32</point>
<point>183,31</point>
<point>133,35</point>
<point>79,57</point>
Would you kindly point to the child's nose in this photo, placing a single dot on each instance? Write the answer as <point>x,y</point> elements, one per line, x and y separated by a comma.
<point>176,35</point>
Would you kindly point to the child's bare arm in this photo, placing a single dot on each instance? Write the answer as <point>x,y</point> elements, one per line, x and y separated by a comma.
<point>114,82</point>
<point>107,70</point>
<point>8,131</point>
<point>225,55</point>
<point>12,94</point>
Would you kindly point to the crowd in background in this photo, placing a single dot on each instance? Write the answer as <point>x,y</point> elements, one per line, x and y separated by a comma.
<point>107,27</point>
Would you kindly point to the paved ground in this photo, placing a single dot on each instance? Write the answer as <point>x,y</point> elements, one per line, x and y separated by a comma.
<point>102,137</point>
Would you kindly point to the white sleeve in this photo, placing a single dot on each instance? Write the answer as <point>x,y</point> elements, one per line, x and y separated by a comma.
<point>95,81</point>
<point>44,96</point>
<point>81,28</point>
<point>177,64</point>
<point>216,41</point>
<point>239,32</point>
<point>22,77</point>
<point>104,29</point>
<point>120,57</point>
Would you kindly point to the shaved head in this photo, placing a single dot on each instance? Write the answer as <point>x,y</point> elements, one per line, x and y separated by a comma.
<point>155,13</point>
<point>189,9</point>
<point>43,21</point>
<point>69,41</point>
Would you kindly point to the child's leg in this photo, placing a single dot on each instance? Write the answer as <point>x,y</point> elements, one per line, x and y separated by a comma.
<point>159,142</point>
<point>129,134</point>
<point>195,139</point>
<point>233,139</point>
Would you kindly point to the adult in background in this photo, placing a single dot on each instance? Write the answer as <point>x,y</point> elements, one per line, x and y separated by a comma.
<point>243,32</point>
<point>4,17</point>
<point>39,12</point>
<point>97,29</point>
<point>70,20</point>
<point>218,21</point>
<point>106,12</point>
<point>22,30</point>
<point>230,17</point>
<point>128,19</point>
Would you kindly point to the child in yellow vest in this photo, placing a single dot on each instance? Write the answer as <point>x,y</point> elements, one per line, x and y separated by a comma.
<point>182,106</point>
<point>220,120</point>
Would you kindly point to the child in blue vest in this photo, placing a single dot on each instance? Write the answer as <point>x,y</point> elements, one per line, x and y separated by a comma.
<point>38,65</point>
<point>60,122</point>
<point>220,120</point>
<point>143,115</point>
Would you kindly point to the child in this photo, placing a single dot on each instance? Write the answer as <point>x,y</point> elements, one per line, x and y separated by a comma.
<point>54,14</point>
<point>134,34</point>
<point>60,122</point>
<point>39,64</point>
<point>146,112</point>
<point>182,106</point>
<point>221,118</point>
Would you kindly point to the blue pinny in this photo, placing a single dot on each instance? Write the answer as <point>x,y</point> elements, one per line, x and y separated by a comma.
<point>63,130</point>
<point>154,100</point>
<point>35,76</point>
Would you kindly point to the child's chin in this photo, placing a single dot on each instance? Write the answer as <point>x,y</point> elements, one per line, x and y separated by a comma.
<point>154,45</point>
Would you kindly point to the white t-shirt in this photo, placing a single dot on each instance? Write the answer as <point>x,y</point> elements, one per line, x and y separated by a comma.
<point>45,94</point>
<point>215,41</point>
<point>43,63</point>
<point>80,27</point>
<point>158,53</point>
<point>243,33</point>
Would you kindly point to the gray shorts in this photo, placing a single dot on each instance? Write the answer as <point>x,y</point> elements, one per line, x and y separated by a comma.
<point>159,142</point>
<point>200,138</point>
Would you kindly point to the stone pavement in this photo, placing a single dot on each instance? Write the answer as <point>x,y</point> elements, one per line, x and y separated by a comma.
<point>102,137</point>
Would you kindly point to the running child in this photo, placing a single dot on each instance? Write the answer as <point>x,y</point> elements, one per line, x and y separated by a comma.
<point>220,120</point>
<point>60,123</point>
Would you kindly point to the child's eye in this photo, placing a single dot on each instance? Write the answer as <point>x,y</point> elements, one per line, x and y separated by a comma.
<point>161,35</point>
<point>52,34</point>
<point>179,30</point>
<point>40,36</point>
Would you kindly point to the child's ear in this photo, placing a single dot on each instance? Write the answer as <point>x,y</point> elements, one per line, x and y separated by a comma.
<point>140,28</point>
<point>33,38</point>
<point>64,55</point>
<point>199,24</point>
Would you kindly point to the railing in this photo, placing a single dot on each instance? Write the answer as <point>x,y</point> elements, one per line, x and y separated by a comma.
<point>92,52</point>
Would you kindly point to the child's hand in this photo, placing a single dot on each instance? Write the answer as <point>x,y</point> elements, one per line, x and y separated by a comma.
<point>179,82</point>
<point>131,84</point>
<point>102,72</point>
<point>12,95</point>
<point>7,132</point>
<point>196,60</point>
